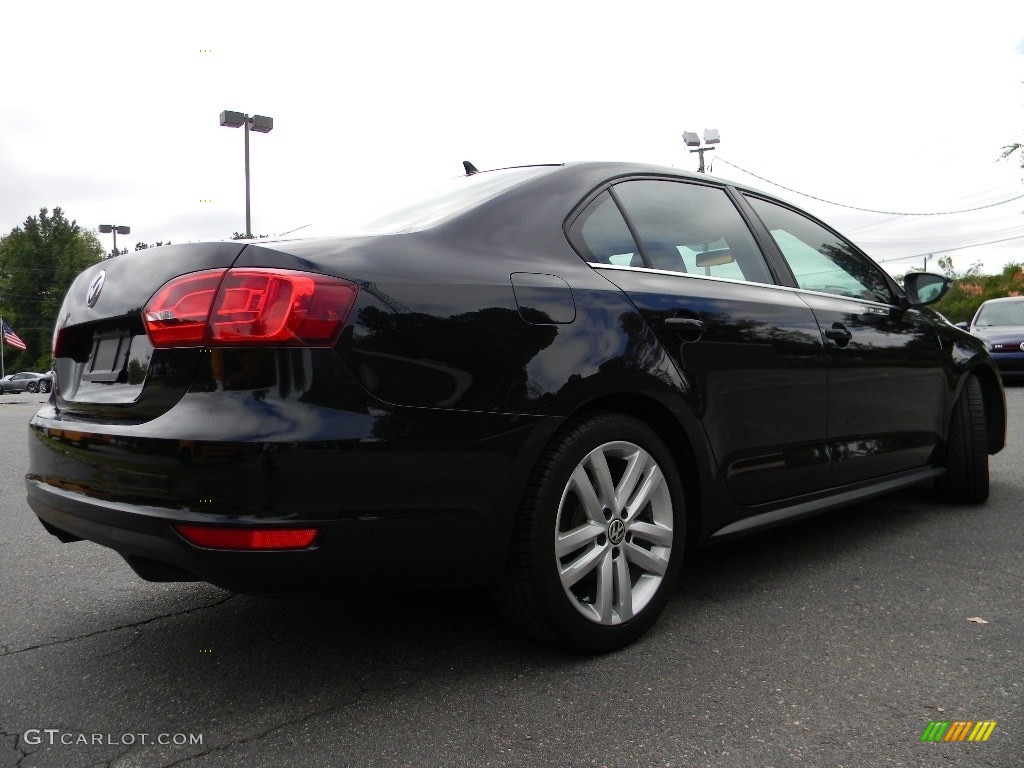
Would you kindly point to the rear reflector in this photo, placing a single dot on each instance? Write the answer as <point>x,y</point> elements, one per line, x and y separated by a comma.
<point>233,537</point>
<point>249,306</point>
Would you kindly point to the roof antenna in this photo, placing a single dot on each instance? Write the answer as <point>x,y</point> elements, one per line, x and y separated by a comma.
<point>470,168</point>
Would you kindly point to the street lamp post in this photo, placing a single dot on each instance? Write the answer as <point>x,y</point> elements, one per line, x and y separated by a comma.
<point>692,140</point>
<point>258,123</point>
<point>106,229</point>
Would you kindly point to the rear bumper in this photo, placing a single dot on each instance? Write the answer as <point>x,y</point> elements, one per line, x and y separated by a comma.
<point>434,511</point>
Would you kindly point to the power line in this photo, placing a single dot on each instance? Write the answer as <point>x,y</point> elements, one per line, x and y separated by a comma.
<point>867,210</point>
<point>946,250</point>
<point>921,242</point>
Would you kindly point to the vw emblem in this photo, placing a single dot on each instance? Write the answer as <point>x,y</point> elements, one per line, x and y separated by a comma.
<point>616,531</point>
<point>1022,346</point>
<point>93,294</point>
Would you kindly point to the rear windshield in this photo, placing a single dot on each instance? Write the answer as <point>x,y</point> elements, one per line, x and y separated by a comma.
<point>453,197</point>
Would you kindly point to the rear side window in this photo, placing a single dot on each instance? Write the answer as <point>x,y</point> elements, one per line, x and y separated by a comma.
<point>602,235</point>
<point>821,260</point>
<point>692,228</point>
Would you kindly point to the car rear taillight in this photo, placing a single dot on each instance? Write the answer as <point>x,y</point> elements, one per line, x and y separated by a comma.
<point>179,312</point>
<point>249,306</point>
<point>234,537</point>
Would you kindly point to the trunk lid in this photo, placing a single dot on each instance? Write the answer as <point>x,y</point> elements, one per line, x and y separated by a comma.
<point>106,369</point>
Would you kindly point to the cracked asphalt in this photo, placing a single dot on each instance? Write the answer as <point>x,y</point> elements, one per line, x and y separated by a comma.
<point>832,642</point>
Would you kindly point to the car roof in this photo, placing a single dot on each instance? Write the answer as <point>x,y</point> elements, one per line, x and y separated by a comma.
<point>1004,299</point>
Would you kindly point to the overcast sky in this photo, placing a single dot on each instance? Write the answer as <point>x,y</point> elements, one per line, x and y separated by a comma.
<point>110,110</point>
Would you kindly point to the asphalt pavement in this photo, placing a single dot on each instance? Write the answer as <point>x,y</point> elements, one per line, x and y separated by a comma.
<point>831,642</point>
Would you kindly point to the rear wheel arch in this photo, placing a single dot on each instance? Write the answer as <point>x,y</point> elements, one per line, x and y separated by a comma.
<point>667,425</point>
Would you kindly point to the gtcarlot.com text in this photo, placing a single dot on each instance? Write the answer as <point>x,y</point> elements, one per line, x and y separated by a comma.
<point>52,736</point>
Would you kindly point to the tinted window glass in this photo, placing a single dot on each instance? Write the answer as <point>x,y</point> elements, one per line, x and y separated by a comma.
<point>692,228</point>
<point>1001,313</point>
<point>821,260</point>
<point>603,235</point>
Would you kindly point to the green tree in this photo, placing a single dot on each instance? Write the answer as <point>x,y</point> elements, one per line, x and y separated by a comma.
<point>946,265</point>
<point>970,289</point>
<point>38,262</point>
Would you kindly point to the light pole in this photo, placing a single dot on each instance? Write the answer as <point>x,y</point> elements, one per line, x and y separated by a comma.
<point>258,123</point>
<point>106,229</point>
<point>692,140</point>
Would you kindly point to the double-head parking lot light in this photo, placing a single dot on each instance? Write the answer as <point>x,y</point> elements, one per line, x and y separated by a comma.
<point>107,229</point>
<point>258,123</point>
<point>691,139</point>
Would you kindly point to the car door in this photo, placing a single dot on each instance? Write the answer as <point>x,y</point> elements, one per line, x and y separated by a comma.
<point>750,352</point>
<point>886,363</point>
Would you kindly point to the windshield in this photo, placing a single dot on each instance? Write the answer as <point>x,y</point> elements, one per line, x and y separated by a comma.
<point>1001,313</point>
<point>454,196</point>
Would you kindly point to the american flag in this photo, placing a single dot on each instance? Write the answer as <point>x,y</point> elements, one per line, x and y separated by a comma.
<point>12,338</point>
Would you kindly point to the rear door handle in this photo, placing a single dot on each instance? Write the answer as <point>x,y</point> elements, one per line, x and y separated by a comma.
<point>838,334</point>
<point>688,328</point>
<point>684,324</point>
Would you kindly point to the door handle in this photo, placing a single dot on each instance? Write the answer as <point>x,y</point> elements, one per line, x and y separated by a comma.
<point>838,334</point>
<point>684,324</point>
<point>688,328</point>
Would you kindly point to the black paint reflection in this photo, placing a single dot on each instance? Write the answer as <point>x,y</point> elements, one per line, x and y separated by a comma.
<point>473,360</point>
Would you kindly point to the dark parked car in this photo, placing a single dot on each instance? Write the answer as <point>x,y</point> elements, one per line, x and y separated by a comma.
<point>1000,324</point>
<point>25,381</point>
<point>551,380</point>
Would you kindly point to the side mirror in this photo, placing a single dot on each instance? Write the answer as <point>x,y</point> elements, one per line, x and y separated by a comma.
<point>963,326</point>
<point>924,288</point>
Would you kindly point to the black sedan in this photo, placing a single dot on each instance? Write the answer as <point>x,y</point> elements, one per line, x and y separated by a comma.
<point>1000,324</point>
<point>551,380</point>
<point>25,381</point>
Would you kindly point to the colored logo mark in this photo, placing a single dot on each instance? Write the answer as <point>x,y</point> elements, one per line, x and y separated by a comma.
<point>959,730</point>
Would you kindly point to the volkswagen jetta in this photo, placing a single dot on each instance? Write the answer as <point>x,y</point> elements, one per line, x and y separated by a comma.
<point>549,379</point>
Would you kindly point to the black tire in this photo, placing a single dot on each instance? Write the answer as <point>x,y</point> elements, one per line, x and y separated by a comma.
<point>33,387</point>
<point>44,387</point>
<point>966,478</point>
<point>625,564</point>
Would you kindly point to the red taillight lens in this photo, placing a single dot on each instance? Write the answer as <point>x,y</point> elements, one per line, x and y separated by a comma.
<point>179,312</point>
<point>233,537</point>
<point>250,306</point>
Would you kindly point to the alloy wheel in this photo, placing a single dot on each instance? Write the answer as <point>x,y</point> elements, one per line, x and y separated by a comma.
<point>614,532</point>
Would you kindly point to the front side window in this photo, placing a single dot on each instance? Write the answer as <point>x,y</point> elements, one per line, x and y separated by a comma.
<point>692,228</point>
<point>821,260</point>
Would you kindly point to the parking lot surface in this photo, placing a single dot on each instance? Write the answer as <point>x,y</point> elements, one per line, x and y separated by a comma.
<point>831,642</point>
